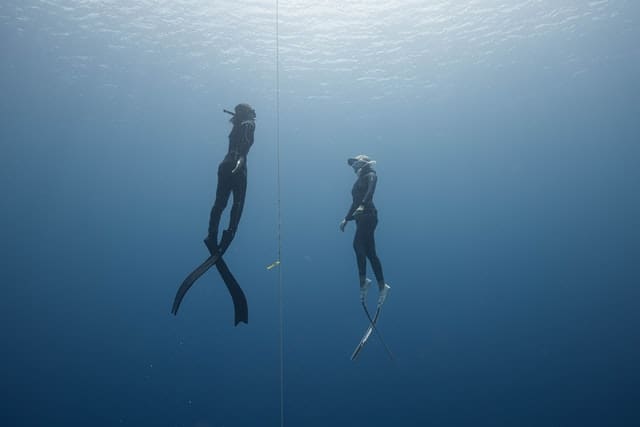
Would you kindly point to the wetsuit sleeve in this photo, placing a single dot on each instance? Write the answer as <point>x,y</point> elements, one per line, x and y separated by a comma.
<point>372,180</point>
<point>247,129</point>
<point>246,138</point>
<point>352,209</point>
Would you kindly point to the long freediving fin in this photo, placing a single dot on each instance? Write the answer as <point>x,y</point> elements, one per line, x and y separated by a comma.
<point>367,332</point>
<point>191,279</point>
<point>227,238</point>
<point>371,328</point>
<point>241,311</point>
<point>240,307</point>
<point>373,324</point>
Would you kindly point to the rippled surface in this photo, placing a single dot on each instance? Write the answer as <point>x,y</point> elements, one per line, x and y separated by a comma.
<point>325,47</point>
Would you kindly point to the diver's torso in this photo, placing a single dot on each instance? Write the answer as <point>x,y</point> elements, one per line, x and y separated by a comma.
<point>240,141</point>
<point>360,188</point>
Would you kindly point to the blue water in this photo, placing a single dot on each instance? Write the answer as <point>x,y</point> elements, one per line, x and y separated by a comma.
<point>506,136</point>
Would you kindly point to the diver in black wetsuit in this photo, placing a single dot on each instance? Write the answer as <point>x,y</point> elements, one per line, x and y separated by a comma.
<point>232,178</point>
<point>364,212</point>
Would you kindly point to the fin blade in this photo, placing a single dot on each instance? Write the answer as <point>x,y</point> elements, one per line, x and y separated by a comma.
<point>191,279</point>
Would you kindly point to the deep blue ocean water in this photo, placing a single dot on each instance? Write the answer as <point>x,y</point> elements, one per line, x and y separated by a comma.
<point>507,143</point>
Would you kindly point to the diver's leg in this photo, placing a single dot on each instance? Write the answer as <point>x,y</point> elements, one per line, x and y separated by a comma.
<point>239,193</point>
<point>239,190</point>
<point>376,265</point>
<point>370,245</point>
<point>223,191</point>
<point>361,255</point>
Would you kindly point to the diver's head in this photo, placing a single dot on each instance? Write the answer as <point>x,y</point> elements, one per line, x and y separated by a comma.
<point>244,112</point>
<point>360,162</point>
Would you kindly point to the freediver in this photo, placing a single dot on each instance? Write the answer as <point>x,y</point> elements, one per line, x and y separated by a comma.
<point>232,178</point>
<point>364,212</point>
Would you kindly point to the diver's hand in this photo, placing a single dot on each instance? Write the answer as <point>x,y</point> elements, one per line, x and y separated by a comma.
<point>343,224</point>
<point>238,165</point>
<point>359,211</point>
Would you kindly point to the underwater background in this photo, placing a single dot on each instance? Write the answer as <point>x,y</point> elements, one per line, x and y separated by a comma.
<point>506,135</point>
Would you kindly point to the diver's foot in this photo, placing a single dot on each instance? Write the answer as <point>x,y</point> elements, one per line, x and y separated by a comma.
<point>364,288</point>
<point>210,243</point>
<point>227,237</point>
<point>383,294</point>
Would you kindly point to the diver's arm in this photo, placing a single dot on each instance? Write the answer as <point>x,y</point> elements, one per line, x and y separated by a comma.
<point>372,179</point>
<point>246,142</point>
<point>248,128</point>
<point>349,216</point>
<point>352,209</point>
<point>239,164</point>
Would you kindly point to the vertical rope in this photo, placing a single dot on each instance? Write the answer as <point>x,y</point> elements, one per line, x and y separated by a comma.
<point>280,289</point>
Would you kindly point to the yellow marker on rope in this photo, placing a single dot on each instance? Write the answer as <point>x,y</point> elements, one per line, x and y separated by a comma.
<point>275,264</point>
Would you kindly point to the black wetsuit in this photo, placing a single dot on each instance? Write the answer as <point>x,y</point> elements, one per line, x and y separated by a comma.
<point>363,242</point>
<point>240,141</point>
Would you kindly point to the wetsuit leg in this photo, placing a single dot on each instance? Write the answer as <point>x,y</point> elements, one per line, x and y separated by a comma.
<point>239,189</point>
<point>360,248</point>
<point>368,223</point>
<point>223,191</point>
